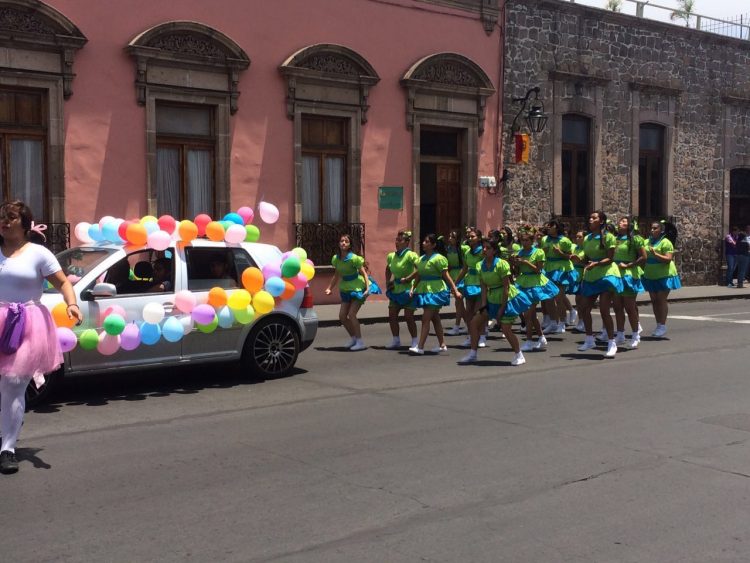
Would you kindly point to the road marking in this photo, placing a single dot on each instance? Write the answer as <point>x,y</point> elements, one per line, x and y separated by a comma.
<point>706,319</point>
<point>729,314</point>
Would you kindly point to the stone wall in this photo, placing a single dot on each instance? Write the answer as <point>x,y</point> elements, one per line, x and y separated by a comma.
<point>622,71</point>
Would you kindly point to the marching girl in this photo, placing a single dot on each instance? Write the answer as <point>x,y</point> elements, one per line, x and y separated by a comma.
<point>400,264</point>
<point>558,250</point>
<point>629,256</point>
<point>354,288</point>
<point>455,252</point>
<point>534,284</point>
<point>601,277</point>
<point>472,290</point>
<point>660,273</point>
<point>432,281</point>
<point>578,258</point>
<point>500,300</point>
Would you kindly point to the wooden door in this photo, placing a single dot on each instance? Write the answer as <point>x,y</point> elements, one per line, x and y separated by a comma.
<point>448,205</point>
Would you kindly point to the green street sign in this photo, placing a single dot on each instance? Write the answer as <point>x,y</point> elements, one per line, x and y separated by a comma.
<point>391,197</point>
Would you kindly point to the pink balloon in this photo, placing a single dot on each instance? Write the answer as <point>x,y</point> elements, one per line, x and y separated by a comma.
<point>272,270</point>
<point>203,314</point>
<point>286,255</point>
<point>108,344</point>
<point>268,212</point>
<point>167,223</point>
<point>112,309</point>
<point>67,339</point>
<point>310,262</point>
<point>159,240</point>
<point>130,338</point>
<point>299,281</point>
<point>247,214</point>
<point>235,234</point>
<point>185,301</point>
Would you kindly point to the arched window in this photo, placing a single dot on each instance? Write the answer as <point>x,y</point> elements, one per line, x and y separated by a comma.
<point>576,165</point>
<point>651,170</point>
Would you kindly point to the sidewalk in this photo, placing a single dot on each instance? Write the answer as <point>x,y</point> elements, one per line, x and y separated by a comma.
<point>377,311</point>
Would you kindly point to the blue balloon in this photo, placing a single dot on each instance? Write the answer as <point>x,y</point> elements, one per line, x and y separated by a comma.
<point>226,318</point>
<point>275,286</point>
<point>150,333</point>
<point>151,226</point>
<point>172,330</point>
<point>95,233</point>
<point>234,218</point>
<point>109,231</point>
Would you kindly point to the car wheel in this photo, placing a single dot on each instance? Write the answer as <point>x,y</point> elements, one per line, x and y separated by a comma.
<point>272,348</point>
<point>36,396</point>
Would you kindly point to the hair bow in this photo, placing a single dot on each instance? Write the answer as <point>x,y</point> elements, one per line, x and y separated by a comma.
<point>39,229</point>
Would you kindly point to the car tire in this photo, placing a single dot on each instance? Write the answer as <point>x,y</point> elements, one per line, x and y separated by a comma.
<point>271,348</point>
<point>38,396</point>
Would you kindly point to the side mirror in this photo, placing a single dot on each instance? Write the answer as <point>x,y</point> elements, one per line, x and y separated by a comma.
<point>86,295</point>
<point>104,290</point>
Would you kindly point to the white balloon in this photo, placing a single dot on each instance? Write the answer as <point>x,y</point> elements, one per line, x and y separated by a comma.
<point>235,234</point>
<point>268,212</point>
<point>104,220</point>
<point>82,232</point>
<point>187,323</point>
<point>153,313</point>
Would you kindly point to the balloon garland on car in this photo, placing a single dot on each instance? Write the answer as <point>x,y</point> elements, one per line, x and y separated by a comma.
<point>261,290</point>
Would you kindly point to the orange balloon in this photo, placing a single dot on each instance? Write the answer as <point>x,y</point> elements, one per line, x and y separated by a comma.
<point>217,297</point>
<point>289,290</point>
<point>215,231</point>
<point>252,280</point>
<point>60,316</point>
<point>136,234</point>
<point>187,230</point>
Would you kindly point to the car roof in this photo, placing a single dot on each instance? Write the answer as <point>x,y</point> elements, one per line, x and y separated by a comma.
<point>253,247</point>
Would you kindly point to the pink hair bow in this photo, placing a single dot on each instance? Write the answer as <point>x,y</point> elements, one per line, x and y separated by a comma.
<point>39,229</point>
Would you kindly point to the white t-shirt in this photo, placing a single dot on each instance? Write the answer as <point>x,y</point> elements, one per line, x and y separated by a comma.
<point>22,276</point>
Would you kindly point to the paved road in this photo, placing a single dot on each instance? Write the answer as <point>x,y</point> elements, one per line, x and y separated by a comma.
<point>380,457</point>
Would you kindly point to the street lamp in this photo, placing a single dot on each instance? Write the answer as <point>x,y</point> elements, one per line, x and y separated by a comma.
<point>536,119</point>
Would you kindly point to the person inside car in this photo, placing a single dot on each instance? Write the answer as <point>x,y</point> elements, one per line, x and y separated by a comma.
<point>162,275</point>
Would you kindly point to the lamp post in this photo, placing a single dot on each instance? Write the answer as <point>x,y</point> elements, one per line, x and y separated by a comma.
<point>536,119</point>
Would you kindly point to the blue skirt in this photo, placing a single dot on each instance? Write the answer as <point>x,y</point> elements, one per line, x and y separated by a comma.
<point>374,287</point>
<point>349,296</point>
<point>563,278</point>
<point>471,291</point>
<point>607,283</point>
<point>436,300</point>
<point>575,287</point>
<point>540,292</point>
<point>402,299</point>
<point>664,284</point>
<point>631,284</point>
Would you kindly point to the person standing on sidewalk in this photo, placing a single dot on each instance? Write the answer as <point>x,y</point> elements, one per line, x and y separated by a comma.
<point>29,347</point>
<point>400,264</point>
<point>743,256</point>
<point>730,252</point>
<point>660,273</point>
<point>354,288</point>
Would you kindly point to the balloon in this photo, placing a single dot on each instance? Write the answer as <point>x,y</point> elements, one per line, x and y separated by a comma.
<point>88,339</point>
<point>122,230</point>
<point>153,313</point>
<point>246,213</point>
<point>136,234</point>
<point>252,233</point>
<point>151,226</point>
<point>217,297</point>
<point>299,281</point>
<point>274,286</point>
<point>289,290</point>
<point>290,267</point>
<point>201,221</point>
<point>148,219</point>
<point>114,324</point>
<point>60,316</point>
<point>172,330</point>
<point>159,240</point>
<point>285,255</point>
<point>263,302</point>
<point>301,253</point>
<point>307,270</point>
<point>187,230</point>
<point>208,327</point>
<point>167,223</point>
<point>104,220</point>
<point>112,309</point>
<point>225,318</point>
<point>244,316</point>
<point>202,314</point>
<point>215,231</point>
<point>130,338</point>
<point>239,299</point>
<point>235,234</point>
<point>108,344</point>
<point>268,212</point>
<point>252,279</point>
<point>150,333</point>
<point>82,232</point>
<point>272,270</point>
<point>110,230</point>
<point>187,324</point>
<point>234,218</point>
<point>95,233</point>
<point>66,338</point>
<point>185,301</point>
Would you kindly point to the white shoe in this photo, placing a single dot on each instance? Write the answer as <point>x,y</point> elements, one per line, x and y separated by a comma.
<point>415,351</point>
<point>455,331</point>
<point>573,317</point>
<point>469,358</point>
<point>546,321</point>
<point>603,336</point>
<point>611,349</point>
<point>483,341</point>
<point>540,344</point>
<point>414,343</point>
<point>660,332</point>
<point>634,342</point>
<point>620,338</point>
<point>527,346</point>
<point>555,328</point>
<point>442,350</point>
<point>588,344</point>
<point>466,343</point>
<point>492,323</point>
<point>351,342</point>
<point>395,343</point>
<point>640,328</point>
<point>580,327</point>
<point>518,359</point>
<point>358,346</point>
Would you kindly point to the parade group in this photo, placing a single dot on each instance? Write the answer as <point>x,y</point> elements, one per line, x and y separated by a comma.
<point>499,277</point>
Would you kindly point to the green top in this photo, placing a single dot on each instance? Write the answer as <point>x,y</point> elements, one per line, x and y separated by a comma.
<point>555,261</point>
<point>514,248</point>
<point>655,269</point>
<point>402,264</point>
<point>526,275</point>
<point>579,264</point>
<point>451,253</point>
<point>430,270</point>
<point>493,277</point>
<point>348,268</point>
<point>628,252</point>
<point>594,252</point>
<point>471,259</point>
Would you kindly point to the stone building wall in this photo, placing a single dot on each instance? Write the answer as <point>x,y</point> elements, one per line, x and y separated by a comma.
<point>622,71</point>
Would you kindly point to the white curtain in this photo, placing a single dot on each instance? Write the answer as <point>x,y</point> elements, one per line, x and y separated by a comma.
<point>168,181</point>
<point>27,174</point>
<point>310,189</point>
<point>333,211</point>
<point>199,183</point>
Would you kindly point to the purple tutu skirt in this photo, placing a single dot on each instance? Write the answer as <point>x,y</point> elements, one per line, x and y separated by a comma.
<point>39,352</point>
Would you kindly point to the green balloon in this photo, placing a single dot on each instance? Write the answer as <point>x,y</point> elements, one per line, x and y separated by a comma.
<point>226,224</point>
<point>253,233</point>
<point>290,267</point>
<point>88,339</point>
<point>210,327</point>
<point>244,316</point>
<point>114,324</point>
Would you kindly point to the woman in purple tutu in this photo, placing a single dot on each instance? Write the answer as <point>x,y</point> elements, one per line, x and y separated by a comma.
<point>29,347</point>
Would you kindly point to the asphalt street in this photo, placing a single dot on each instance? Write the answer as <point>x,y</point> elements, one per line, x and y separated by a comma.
<point>376,456</point>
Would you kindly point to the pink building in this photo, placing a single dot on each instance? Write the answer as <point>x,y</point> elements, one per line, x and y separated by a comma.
<point>364,116</point>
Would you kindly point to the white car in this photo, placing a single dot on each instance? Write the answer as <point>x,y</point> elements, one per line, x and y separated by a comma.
<point>105,275</point>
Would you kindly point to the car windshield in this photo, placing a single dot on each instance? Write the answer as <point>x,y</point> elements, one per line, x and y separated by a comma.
<point>77,262</point>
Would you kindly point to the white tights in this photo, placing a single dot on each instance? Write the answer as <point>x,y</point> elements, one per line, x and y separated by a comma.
<point>13,406</point>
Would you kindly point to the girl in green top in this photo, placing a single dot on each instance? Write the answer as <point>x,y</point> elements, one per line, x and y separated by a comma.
<point>353,289</point>
<point>400,264</point>
<point>660,273</point>
<point>471,289</point>
<point>455,252</point>
<point>629,256</point>
<point>601,278</point>
<point>558,250</point>
<point>579,262</point>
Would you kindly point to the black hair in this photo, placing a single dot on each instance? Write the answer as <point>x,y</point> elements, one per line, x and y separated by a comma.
<point>475,230</point>
<point>27,218</point>
<point>669,229</point>
<point>508,237</point>
<point>602,226</point>
<point>493,242</point>
<point>456,234</point>
<point>438,241</point>
<point>559,225</point>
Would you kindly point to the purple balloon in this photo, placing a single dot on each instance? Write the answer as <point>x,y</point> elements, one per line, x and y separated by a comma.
<point>67,339</point>
<point>203,314</point>
<point>130,338</point>
<point>272,270</point>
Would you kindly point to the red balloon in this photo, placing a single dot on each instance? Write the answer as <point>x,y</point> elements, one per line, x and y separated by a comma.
<point>167,223</point>
<point>122,229</point>
<point>201,221</point>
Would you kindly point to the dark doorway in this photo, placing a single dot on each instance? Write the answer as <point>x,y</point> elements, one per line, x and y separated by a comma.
<point>440,182</point>
<point>739,198</point>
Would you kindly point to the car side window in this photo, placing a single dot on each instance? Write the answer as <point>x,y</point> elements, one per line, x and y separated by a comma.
<point>242,261</point>
<point>145,271</point>
<point>210,267</point>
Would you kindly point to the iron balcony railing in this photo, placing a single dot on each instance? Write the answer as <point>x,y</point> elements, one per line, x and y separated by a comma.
<point>321,240</point>
<point>58,236</point>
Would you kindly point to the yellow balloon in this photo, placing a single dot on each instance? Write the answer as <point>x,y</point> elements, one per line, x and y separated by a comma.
<point>148,218</point>
<point>307,270</point>
<point>239,299</point>
<point>263,302</point>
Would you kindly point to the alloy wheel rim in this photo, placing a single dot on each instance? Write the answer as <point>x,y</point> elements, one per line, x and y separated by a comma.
<point>274,348</point>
